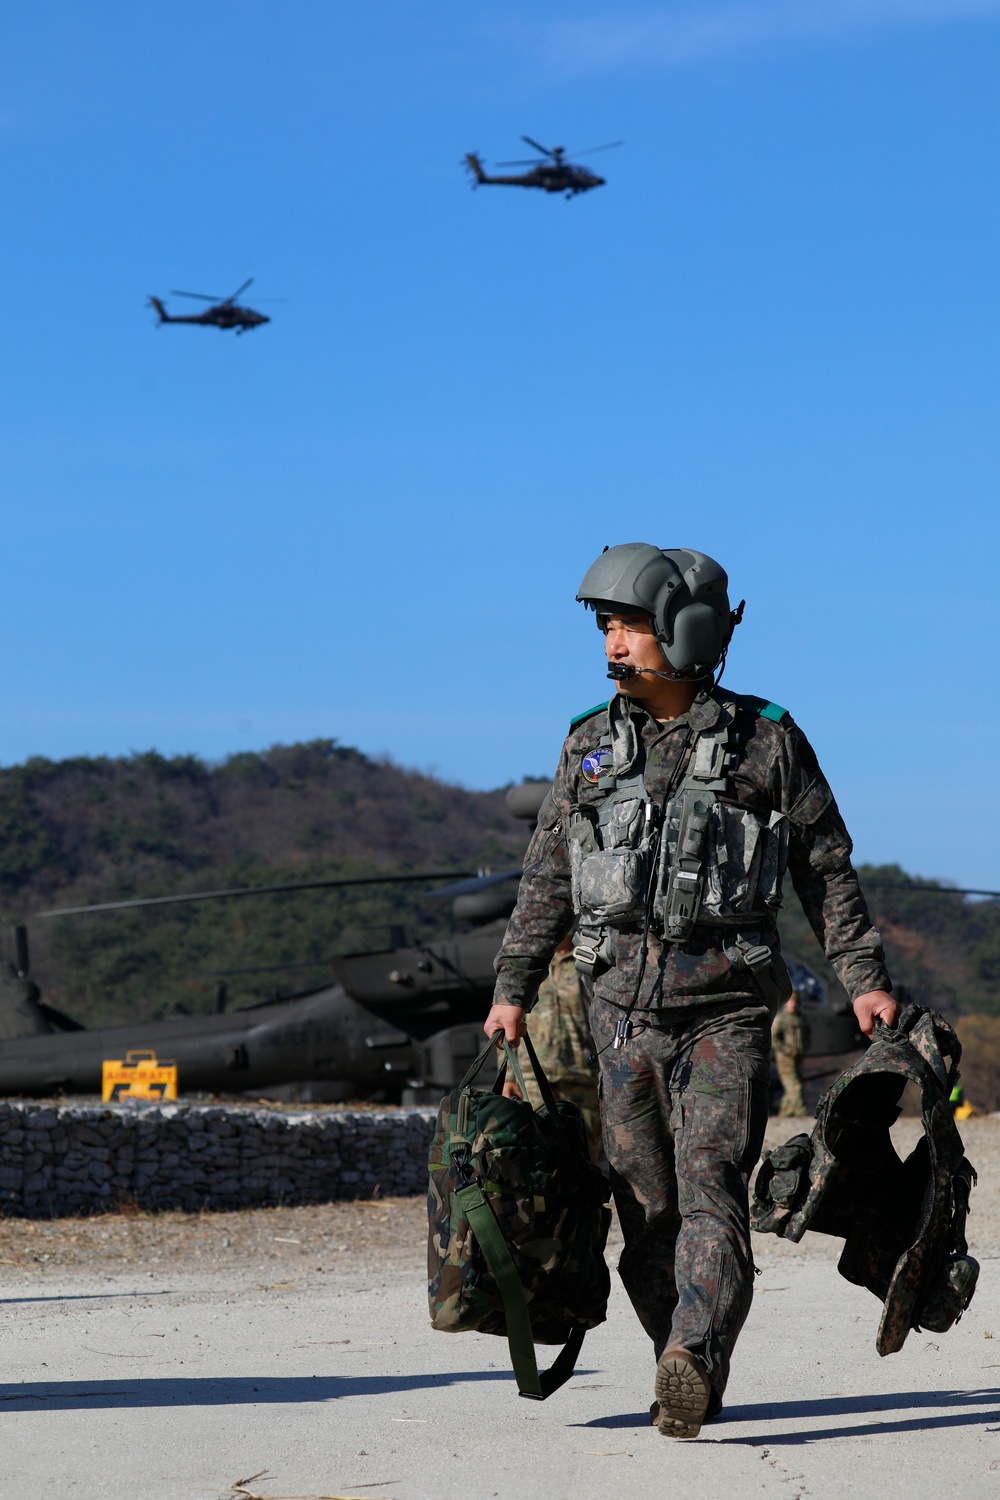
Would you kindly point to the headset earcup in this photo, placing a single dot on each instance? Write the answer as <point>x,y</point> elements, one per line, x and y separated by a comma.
<point>699,634</point>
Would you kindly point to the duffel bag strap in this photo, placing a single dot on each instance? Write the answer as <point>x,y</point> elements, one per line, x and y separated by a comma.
<point>534,1384</point>
<point>509,1060</point>
<point>544,1087</point>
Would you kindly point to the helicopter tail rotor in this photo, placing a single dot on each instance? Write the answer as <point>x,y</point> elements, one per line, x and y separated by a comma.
<point>162,315</point>
<point>473,163</point>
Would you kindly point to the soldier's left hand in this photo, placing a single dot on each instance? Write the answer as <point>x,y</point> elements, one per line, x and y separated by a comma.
<point>876,1005</point>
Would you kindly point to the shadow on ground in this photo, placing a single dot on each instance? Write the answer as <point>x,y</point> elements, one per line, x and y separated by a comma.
<point>935,1404</point>
<point>253,1391</point>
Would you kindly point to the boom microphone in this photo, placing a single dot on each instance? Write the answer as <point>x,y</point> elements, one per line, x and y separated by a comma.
<point>620,671</point>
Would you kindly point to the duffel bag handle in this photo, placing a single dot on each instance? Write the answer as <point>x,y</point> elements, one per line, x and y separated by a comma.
<point>510,1060</point>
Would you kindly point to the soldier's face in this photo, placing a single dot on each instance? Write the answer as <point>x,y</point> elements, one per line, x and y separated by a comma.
<point>630,641</point>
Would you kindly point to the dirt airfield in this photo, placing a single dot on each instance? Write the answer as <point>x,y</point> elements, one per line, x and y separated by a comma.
<point>286,1352</point>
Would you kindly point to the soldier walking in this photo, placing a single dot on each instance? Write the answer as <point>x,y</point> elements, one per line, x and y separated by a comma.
<point>790,1036</point>
<point>674,812</point>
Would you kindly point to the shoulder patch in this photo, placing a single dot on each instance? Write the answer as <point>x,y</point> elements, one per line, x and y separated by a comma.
<point>588,713</point>
<point>763,708</point>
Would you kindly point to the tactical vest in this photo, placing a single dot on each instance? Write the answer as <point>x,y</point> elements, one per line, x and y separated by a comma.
<point>699,863</point>
<point>903,1223</point>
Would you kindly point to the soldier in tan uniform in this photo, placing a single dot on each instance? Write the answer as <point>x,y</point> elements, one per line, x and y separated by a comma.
<point>560,1031</point>
<point>790,1034</point>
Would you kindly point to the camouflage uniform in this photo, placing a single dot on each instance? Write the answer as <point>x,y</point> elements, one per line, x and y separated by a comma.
<point>685,1102</point>
<point>790,1039</point>
<point>565,1047</point>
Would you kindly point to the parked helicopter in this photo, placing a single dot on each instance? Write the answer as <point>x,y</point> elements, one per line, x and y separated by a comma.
<point>400,1024</point>
<point>224,313</point>
<point>551,171</point>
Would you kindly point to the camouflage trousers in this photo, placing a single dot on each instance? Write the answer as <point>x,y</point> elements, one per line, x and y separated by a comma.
<point>790,1073</point>
<point>684,1107</point>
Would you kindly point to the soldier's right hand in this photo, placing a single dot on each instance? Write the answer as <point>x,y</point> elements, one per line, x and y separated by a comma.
<point>508,1020</point>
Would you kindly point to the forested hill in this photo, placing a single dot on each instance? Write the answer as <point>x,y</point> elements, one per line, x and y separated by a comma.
<point>85,830</point>
<point>100,829</point>
<point>944,948</point>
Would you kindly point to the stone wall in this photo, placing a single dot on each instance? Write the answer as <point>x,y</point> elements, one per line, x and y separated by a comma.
<point>78,1158</point>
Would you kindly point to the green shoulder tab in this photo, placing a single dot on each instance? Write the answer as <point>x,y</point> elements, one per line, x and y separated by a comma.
<point>763,708</point>
<point>587,713</point>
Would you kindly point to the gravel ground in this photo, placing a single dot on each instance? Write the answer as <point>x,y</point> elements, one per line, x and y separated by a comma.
<point>171,1354</point>
<point>274,1247</point>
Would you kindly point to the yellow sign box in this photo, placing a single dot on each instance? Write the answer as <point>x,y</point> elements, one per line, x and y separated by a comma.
<point>140,1076</point>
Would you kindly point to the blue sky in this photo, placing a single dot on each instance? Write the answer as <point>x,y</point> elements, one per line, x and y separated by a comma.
<point>772,336</point>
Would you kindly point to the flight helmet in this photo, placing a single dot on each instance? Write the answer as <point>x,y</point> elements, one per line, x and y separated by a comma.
<point>683,592</point>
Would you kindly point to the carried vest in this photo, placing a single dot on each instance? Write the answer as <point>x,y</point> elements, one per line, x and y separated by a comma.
<point>903,1223</point>
<point>699,862</point>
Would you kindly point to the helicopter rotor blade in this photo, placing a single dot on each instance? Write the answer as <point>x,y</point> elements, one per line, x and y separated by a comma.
<point>537,146</point>
<point>591,149</point>
<point>198,296</point>
<point>476,883</point>
<point>240,289</point>
<point>534,161</point>
<point>254,890</point>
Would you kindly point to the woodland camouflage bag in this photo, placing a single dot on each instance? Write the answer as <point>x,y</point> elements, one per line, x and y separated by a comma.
<point>518,1221</point>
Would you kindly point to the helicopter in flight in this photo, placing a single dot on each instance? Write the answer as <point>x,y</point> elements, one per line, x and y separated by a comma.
<point>551,171</point>
<point>224,312</point>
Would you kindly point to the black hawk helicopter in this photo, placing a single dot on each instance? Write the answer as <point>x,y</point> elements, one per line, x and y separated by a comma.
<point>551,171</point>
<point>398,1024</point>
<point>224,313</point>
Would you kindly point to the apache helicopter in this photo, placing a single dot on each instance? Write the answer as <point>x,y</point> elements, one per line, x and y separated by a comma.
<point>400,1024</point>
<point>223,314</point>
<point>551,171</point>
<point>394,1023</point>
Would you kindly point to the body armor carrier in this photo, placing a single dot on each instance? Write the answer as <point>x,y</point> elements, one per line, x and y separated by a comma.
<point>903,1223</point>
<point>700,862</point>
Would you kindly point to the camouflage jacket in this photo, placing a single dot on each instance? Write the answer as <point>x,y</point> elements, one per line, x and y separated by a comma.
<point>775,770</point>
<point>790,1033</point>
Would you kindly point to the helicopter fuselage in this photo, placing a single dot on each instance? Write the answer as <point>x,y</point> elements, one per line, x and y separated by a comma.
<point>557,177</point>
<point>393,1020</point>
<point>225,315</point>
<point>365,1031</point>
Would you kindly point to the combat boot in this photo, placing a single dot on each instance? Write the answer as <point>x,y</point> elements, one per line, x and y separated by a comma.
<point>683,1393</point>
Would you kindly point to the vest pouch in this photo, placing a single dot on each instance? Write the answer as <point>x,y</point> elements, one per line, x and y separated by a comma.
<point>611,885</point>
<point>950,1294</point>
<point>744,862</point>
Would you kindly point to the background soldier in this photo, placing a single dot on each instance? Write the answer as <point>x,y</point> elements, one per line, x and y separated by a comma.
<point>662,843</point>
<point>560,1033</point>
<point>790,1039</point>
